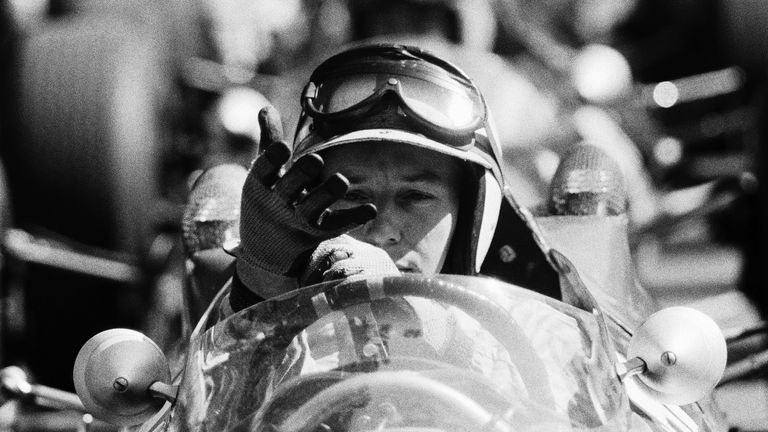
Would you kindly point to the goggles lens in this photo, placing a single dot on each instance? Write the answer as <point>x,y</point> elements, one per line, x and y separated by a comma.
<point>447,104</point>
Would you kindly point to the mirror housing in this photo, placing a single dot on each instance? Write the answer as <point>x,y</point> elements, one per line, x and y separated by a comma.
<point>679,355</point>
<point>115,374</point>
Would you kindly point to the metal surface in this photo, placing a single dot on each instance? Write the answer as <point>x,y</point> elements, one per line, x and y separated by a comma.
<point>685,354</point>
<point>114,372</point>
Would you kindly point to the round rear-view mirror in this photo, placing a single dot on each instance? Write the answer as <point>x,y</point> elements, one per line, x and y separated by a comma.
<point>113,374</point>
<point>684,354</point>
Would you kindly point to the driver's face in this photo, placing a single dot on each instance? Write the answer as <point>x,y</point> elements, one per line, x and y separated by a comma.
<point>416,192</point>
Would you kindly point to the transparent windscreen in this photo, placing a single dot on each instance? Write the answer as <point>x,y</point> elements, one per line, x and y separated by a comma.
<point>403,354</point>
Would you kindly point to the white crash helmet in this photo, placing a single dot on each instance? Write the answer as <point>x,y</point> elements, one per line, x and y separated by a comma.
<point>395,93</point>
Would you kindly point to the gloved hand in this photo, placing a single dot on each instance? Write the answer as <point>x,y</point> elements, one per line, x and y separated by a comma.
<point>284,218</point>
<point>343,256</point>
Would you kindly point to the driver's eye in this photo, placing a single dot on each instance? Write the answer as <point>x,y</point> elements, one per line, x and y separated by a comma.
<point>415,196</point>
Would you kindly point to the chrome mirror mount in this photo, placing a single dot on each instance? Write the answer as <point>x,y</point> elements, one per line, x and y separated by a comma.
<point>122,377</point>
<point>677,356</point>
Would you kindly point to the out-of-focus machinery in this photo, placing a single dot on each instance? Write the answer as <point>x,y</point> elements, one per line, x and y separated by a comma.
<point>100,132</point>
<point>108,109</point>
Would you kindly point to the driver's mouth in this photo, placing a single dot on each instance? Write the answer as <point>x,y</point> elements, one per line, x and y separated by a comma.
<point>408,270</point>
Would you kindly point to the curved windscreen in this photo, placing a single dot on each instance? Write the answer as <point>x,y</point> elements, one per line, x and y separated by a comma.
<point>447,353</point>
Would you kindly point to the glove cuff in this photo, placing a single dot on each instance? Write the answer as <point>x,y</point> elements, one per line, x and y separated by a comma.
<point>240,297</point>
<point>262,283</point>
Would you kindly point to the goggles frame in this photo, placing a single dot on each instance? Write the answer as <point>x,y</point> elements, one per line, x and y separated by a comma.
<point>390,95</point>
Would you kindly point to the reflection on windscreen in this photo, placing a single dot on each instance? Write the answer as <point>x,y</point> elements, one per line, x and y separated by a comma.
<point>405,363</point>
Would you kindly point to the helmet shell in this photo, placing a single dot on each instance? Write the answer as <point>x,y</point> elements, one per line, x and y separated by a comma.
<point>480,204</point>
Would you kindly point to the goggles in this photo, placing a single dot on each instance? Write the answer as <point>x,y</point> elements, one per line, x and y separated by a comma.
<point>430,95</point>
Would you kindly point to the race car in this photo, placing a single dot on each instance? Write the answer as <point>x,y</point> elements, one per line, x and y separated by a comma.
<point>413,353</point>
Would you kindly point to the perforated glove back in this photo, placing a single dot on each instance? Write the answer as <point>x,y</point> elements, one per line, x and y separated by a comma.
<point>284,218</point>
<point>343,256</point>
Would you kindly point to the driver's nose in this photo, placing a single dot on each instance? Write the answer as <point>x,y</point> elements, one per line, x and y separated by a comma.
<point>383,230</point>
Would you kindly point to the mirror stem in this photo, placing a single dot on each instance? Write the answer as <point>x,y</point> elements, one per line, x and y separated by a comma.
<point>633,366</point>
<point>165,391</point>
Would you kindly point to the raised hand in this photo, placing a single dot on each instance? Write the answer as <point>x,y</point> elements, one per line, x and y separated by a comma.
<point>285,216</point>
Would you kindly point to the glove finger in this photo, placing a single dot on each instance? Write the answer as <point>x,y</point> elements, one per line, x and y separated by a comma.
<point>271,126</point>
<point>343,219</point>
<point>314,207</point>
<point>302,175</point>
<point>316,201</point>
<point>267,166</point>
<point>318,265</point>
<point>338,255</point>
<point>342,269</point>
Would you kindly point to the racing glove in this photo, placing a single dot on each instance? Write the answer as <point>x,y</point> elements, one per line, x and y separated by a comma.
<point>285,217</point>
<point>343,256</point>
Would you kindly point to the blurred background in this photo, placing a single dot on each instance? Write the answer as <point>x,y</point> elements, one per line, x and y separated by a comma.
<point>108,108</point>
